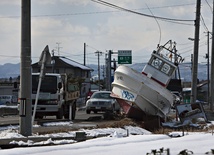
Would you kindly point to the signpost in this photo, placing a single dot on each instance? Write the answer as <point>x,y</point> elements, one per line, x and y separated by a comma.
<point>45,58</point>
<point>124,57</point>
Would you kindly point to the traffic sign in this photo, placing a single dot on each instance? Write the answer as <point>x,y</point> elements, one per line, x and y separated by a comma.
<point>124,57</point>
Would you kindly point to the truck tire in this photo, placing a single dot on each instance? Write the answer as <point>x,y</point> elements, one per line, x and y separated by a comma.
<point>73,111</point>
<point>88,111</point>
<point>59,114</point>
<point>66,111</point>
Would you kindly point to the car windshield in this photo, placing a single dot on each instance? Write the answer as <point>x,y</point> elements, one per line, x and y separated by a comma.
<point>101,95</point>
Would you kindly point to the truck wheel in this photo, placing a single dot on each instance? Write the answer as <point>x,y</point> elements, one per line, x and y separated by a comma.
<point>73,111</point>
<point>66,116</point>
<point>59,114</point>
<point>66,112</point>
<point>88,111</point>
<point>7,103</point>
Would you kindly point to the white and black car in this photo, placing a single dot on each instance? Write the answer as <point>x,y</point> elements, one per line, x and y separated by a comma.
<point>101,101</point>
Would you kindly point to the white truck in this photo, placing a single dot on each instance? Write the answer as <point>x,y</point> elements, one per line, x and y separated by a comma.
<point>57,96</point>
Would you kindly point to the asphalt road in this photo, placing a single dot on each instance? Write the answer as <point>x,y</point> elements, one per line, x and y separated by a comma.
<point>82,120</point>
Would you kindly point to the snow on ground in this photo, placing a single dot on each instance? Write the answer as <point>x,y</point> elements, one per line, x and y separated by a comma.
<point>12,131</point>
<point>124,141</point>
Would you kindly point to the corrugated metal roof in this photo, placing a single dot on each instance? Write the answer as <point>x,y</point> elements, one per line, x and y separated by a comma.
<point>74,64</point>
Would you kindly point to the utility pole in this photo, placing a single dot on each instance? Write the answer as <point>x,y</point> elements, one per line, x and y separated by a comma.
<point>195,55</point>
<point>103,71</point>
<point>212,67</point>
<point>208,68</point>
<point>84,53</point>
<point>58,47</point>
<point>52,61</point>
<point>98,55</point>
<point>109,70</point>
<point>25,110</point>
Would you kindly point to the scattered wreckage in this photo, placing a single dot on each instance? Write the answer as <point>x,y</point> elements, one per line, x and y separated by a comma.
<point>188,115</point>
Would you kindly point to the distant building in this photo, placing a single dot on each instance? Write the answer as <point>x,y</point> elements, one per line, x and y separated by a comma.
<point>62,64</point>
<point>202,92</point>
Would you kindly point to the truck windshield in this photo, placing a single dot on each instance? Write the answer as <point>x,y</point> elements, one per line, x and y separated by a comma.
<point>48,84</point>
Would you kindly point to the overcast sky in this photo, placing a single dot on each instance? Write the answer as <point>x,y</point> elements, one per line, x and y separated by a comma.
<point>68,24</point>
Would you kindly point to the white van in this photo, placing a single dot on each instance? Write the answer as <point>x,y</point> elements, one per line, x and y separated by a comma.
<point>6,99</point>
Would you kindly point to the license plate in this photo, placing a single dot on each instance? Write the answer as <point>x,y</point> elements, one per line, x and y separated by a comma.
<point>98,107</point>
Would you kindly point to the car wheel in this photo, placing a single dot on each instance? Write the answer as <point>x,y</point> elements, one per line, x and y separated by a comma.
<point>113,108</point>
<point>118,111</point>
<point>7,103</point>
<point>88,111</point>
<point>73,111</point>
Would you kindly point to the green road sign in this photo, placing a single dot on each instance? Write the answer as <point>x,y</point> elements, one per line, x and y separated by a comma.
<point>124,57</point>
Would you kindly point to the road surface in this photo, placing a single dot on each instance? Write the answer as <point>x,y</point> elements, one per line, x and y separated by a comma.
<point>82,120</point>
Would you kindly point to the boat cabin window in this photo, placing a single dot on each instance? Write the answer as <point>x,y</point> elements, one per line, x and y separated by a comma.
<point>156,63</point>
<point>165,68</point>
<point>161,65</point>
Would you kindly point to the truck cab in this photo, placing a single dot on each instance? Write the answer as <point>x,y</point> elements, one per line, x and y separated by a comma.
<point>53,98</point>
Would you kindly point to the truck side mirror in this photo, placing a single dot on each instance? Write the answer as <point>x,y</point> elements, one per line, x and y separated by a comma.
<point>60,85</point>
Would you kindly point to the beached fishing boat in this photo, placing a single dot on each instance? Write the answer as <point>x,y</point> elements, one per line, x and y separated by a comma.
<point>145,93</point>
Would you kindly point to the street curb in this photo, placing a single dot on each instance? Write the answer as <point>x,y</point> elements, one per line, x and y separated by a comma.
<point>10,110</point>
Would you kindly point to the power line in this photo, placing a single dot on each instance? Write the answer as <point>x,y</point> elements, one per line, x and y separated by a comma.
<point>14,56</point>
<point>175,21</point>
<point>169,6</point>
<point>92,47</point>
<point>157,24</point>
<point>95,12</point>
<point>209,6</point>
<point>191,50</point>
<point>205,27</point>
<point>138,13</point>
<point>9,56</point>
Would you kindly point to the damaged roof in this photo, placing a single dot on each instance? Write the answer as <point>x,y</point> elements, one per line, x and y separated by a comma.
<point>61,61</point>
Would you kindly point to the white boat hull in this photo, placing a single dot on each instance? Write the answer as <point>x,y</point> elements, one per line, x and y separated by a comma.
<point>136,88</point>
